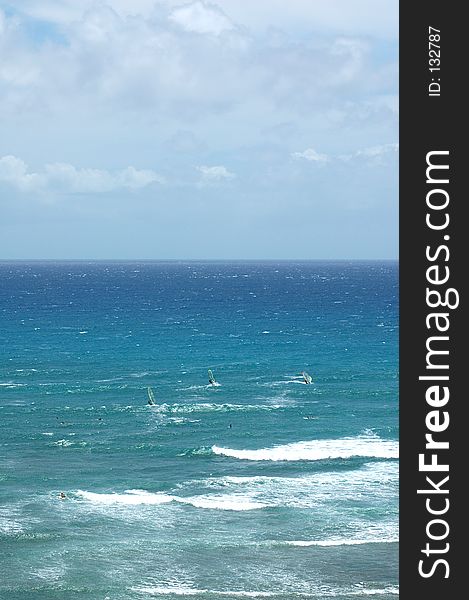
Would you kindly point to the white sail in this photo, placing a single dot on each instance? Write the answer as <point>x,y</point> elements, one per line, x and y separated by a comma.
<point>151,396</point>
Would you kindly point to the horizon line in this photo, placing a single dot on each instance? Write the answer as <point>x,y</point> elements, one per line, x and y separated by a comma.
<point>121,260</point>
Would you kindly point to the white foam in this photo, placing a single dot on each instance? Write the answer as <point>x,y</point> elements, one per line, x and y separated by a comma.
<point>361,446</point>
<point>13,520</point>
<point>342,542</point>
<point>393,590</point>
<point>193,387</point>
<point>129,497</point>
<point>223,502</point>
<point>50,573</point>
<point>136,497</point>
<point>66,443</point>
<point>182,590</point>
<point>348,493</point>
<point>246,594</point>
<point>168,590</point>
<point>9,526</point>
<point>210,407</point>
<point>288,382</point>
<point>179,590</point>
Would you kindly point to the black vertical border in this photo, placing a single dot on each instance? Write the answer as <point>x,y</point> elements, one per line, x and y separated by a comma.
<point>429,123</point>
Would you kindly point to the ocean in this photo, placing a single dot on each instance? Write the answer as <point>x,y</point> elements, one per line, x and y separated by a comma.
<point>262,486</point>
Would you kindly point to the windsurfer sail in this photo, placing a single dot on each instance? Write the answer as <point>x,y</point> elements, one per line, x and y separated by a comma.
<point>151,397</point>
<point>307,378</point>
<point>211,378</point>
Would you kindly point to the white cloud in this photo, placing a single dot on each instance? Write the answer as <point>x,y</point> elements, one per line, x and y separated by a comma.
<point>376,18</point>
<point>2,22</point>
<point>107,59</point>
<point>351,53</point>
<point>311,155</point>
<point>378,150</point>
<point>372,153</point>
<point>216,173</point>
<point>200,17</point>
<point>67,178</point>
<point>197,82</point>
<point>133,178</point>
<point>13,170</point>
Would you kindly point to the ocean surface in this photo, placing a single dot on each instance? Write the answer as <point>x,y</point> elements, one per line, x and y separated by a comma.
<point>262,486</point>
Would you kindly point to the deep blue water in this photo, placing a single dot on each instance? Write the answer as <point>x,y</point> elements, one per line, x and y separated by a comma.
<point>260,487</point>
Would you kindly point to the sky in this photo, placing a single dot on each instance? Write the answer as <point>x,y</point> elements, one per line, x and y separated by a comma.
<point>199,130</point>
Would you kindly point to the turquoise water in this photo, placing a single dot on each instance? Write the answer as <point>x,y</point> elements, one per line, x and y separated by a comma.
<point>259,487</point>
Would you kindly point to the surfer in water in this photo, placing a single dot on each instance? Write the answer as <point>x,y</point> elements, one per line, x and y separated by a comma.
<point>307,378</point>
<point>62,496</point>
<point>211,378</point>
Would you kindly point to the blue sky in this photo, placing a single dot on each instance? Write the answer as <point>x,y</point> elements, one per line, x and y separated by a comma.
<point>225,129</point>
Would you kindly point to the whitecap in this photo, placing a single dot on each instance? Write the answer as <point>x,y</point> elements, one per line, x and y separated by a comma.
<point>142,497</point>
<point>339,542</point>
<point>167,590</point>
<point>343,448</point>
<point>129,497</point>
<point>376,481</point>
<point>181,590</point>
<point>66,443</point>
<point>62,443</point>
<point>10,384</point>
<point>392,590</point>
<point>222,502</point>
<point>210,407</point>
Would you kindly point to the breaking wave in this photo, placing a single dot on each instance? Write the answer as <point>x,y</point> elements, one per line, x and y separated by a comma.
<point>349,447</point>
<point>211,407</point>
<point>322,592</point>
<point>139,497</point>
<point>377,481</point>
